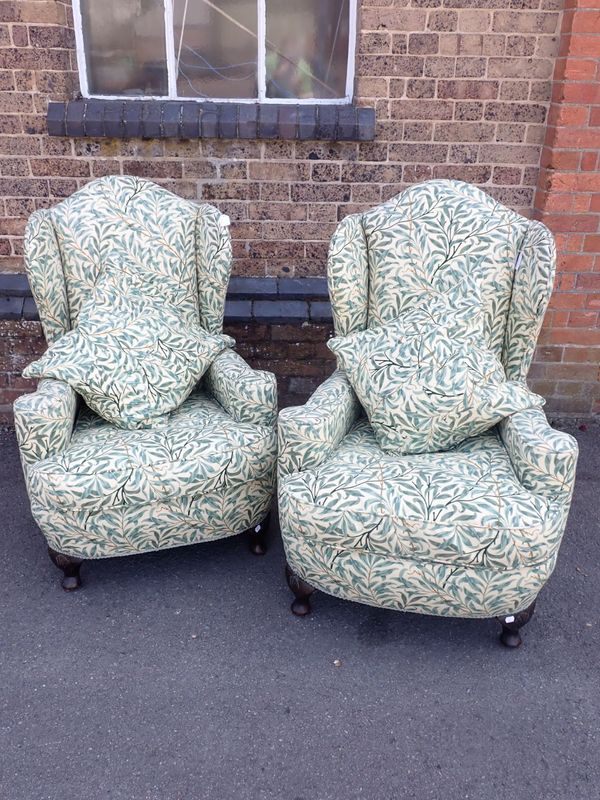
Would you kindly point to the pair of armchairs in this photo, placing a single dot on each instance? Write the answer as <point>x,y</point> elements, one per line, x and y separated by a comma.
<point>471,532</point>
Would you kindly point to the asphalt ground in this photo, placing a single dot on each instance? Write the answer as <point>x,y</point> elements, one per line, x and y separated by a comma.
<point>182,675</point>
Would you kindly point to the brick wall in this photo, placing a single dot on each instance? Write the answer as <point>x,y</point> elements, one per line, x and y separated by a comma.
<point>568,201</point>
<point>461,89</point>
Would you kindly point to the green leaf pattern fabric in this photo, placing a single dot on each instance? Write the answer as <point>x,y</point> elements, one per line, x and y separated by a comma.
<point>248,395</point>
<point>308,434</point>
<point>123,219</point>
<point>132,357</point>
<point>198,474</point>
<point>203,471</point>
<point>425,380</point>
<point>473,531</point>
<point>44,420</point>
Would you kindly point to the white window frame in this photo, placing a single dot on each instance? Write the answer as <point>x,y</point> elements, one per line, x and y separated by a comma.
<point>261,67</point>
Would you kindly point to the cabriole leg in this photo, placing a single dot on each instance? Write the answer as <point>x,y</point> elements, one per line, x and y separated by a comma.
<point>70,566</point>
<point>512,624</point>
<point>301,590</point>
<point>258,536</point>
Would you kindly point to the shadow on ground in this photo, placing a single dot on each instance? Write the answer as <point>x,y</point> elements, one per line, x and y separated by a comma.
<point>182,675</point>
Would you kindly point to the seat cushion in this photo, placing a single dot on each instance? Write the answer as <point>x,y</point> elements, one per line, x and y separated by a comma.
<point>195,450</point>
<point>461,507</point>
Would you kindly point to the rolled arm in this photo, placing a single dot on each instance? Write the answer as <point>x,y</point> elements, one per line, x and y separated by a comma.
<point>543,458</point>
<point>308,434</point>
<point>44,420</point>
<point>249,395</point>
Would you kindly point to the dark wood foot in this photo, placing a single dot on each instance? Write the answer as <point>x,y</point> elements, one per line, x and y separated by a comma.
<point>301,590</point>
<point>512,624</point>
<point>70,567</point>
<point>258,536</point>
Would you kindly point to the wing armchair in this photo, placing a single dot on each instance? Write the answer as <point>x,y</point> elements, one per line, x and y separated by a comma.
<point>202,472</point>
<point>471,532</point>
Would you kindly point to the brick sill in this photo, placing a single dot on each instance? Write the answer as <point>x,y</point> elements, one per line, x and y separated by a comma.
<point>268,300</point>
<point>158,119</point>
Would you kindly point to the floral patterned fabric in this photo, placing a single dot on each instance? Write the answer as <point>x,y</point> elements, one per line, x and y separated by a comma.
<point>126,220</point>
<point>249,395</point>
<point>44,420</point>
<point>131,357</point>
<point>197,474</point>
<point>203,471</point>
<point>424,379</point>
<point>473,531</point>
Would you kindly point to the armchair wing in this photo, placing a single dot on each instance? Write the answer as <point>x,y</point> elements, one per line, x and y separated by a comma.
<point>44,420</point>
<point>308,434</point>
<point>248,395</point>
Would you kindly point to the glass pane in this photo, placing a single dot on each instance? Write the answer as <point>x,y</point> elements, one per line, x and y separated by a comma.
<point>216,48</point>
<point>307,48</point>
<point>125,46</point>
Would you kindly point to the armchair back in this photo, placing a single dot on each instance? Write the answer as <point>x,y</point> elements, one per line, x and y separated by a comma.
<point>445,236</point>
<point>127,220</point>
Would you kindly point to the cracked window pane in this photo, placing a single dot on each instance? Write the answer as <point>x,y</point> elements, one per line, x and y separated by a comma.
<point>307,48</point>
<point>125,47</point>
<point>216,48</point>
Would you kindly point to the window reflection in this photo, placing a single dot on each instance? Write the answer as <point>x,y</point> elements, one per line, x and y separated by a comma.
<point>307,48</point>
<point>125,46</point>
<point>216,48</point>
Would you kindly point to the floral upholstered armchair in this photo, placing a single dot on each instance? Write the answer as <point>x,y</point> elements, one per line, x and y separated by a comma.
<point>203,471</point>
<point>470,532</point>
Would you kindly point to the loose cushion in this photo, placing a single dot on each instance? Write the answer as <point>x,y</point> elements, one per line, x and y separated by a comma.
<point>427,380</point>
<point>133,356</point>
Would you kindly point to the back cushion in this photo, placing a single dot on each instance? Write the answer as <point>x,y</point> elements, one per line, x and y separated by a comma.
<point>126,220</point>
<point>447,237</point>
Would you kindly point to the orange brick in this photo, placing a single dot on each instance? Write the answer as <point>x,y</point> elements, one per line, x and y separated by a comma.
<point>575,182</point>
<point>560,115</point>
<point>589,161</point>
<point>586,21</point>
<point>566,283</point>
<point>576,69</point>
<point>569,300</point>
<point>572,222</point>
<point>583,45</point>
<point>576,92</point>
<point>585,336</point>
<point>589,282</point>
<point>557,201</point>
<point>560,159</point>
<point>580,355</point>
<point>577,137</point>
<point>592,244</point>
<point>581,203</point>
<point>574,263</point>
<point>583,319</point>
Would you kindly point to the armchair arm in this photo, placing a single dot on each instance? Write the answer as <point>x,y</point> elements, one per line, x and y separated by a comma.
<point>543,458</point>
<point>44,420</point>
<point>249,395</point>
<point>308,433</point>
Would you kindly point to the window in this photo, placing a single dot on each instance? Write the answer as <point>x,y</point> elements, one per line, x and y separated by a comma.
<point>250,50</point>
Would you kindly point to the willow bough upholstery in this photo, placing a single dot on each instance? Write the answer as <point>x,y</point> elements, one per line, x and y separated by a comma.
<point>471,532</point>
<point>207,469</point>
